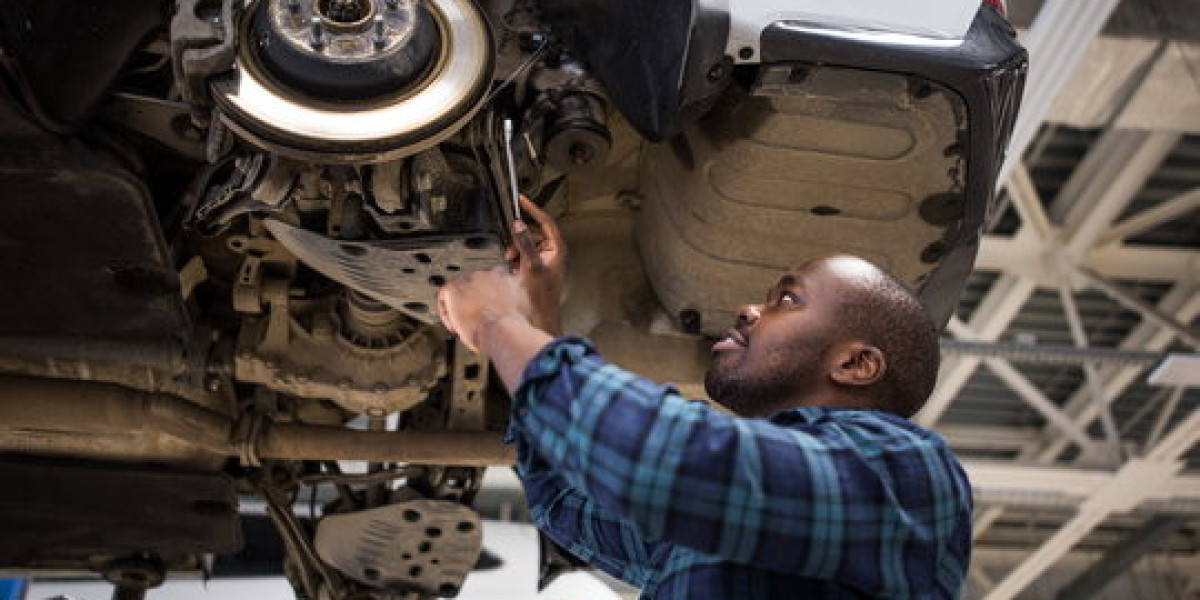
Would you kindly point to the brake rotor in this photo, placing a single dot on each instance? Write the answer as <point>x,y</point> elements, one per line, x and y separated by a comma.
<point>352,81</point>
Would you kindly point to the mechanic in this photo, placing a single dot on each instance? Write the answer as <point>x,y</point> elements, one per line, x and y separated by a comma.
<point>818,486</point>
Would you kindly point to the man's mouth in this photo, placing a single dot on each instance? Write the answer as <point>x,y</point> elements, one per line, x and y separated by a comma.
<point>733,340</point>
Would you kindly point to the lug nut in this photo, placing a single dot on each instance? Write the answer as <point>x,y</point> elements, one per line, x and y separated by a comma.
<point>380,40</point>
<point>317,38</point>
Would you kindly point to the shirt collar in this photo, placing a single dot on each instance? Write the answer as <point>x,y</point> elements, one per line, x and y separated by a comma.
<point>811,414</point>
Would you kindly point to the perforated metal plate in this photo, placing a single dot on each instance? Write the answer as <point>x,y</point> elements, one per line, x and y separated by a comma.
<point>429,545</point>
<point>404,274</point>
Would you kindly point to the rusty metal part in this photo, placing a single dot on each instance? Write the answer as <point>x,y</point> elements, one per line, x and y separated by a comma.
<point>203,44</point>
<point>389,187</point>
<point>166,122</point>
<point>311,442</point>
<point>577,137</point>
<point>265,271</point>
<point>132,374</point>
<point>300,548</point>
<point>368,359</point>
<point>319,363</point>
<point>368,323</point>
<point>68,416</point>
<point>316,359</point>
<point>430,545</point>
<point>468,378</point>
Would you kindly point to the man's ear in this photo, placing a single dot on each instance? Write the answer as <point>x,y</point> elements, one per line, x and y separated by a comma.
<point>857,364</point>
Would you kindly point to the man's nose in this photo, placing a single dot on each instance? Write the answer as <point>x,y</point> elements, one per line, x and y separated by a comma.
<point>748,314</point>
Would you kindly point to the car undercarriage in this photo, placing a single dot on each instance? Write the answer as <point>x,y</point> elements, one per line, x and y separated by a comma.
<point>223,226</point>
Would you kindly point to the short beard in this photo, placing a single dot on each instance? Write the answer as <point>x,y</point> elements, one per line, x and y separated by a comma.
<point>759,396</point>
<point>749,397</point>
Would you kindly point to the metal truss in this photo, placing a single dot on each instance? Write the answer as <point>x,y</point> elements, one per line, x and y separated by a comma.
<point>1132,484</point>
<point>1077,242</point>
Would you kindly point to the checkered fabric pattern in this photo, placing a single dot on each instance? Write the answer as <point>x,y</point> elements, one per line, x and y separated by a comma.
<point>687,502</point>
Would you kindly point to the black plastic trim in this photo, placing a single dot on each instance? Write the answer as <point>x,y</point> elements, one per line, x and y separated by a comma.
<point>987,70</point>
<point>660,62</point>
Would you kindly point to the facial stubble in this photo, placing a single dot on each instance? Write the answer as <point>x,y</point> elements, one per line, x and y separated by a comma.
<point>753,388</point>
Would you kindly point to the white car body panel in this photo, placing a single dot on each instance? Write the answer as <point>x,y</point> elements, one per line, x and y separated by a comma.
<point>931,19</point>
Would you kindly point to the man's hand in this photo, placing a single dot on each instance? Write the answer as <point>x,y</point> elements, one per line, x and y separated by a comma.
<point>511,313</point>
<point>469,303</point>
<point>487,310</point>
<point>539,259</point>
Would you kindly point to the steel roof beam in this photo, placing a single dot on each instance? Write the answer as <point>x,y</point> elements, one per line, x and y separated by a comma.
<point>1183,302</point>
<point>1028,392</point>
<point>1028,205</point>
<point>1143,308</point>
<point>1123,161</point>
<point>1131,485</point>
<point>1091,376</point>
<point>1146,220</point>
<point>1122,557</point>
<point>1038,400</point>
<point>1115,261</point>
<point>993,479</point>
<point>1115,169</point>
<point>1051,354</point>
<point>1164,415</point>
<point>997,310</point>
<point>987,437</point>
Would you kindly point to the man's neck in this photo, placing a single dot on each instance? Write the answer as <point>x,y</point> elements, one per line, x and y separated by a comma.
<point>826,397</point>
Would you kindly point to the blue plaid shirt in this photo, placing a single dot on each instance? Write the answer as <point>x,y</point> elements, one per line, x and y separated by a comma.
<point>689,503</point>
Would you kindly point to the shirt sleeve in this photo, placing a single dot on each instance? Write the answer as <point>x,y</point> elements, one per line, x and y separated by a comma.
<point>592,533</point>
<point>860,500</point>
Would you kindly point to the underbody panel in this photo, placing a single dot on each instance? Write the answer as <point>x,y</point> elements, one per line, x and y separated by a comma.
<point>222,250</point>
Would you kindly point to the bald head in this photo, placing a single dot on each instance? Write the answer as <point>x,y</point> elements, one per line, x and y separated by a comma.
<point>878,309</point>
<point>833,331</point>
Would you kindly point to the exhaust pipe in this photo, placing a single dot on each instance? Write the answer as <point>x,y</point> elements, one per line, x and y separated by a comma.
<point>53,415</point>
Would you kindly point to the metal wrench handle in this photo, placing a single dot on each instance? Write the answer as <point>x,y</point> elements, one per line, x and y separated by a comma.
<point>512,168</point>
